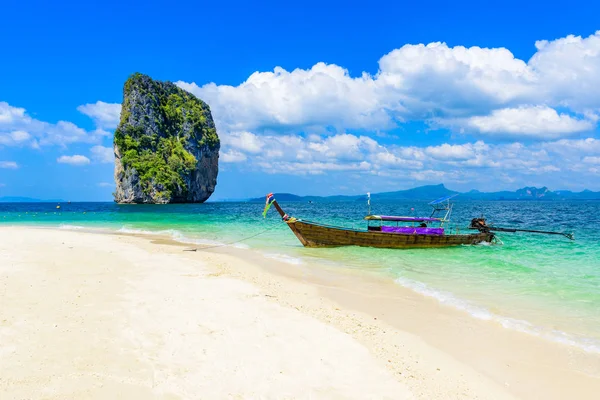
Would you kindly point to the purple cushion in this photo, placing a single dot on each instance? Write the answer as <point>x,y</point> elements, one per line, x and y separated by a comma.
<point>409,230</point>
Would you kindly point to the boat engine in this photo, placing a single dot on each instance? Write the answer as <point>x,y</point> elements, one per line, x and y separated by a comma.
<point>479,224</point>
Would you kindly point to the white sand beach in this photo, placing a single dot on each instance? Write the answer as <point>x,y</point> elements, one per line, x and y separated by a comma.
<point>104,316</point>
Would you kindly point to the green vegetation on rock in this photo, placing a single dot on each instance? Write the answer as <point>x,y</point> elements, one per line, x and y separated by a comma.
<point>161,129</point>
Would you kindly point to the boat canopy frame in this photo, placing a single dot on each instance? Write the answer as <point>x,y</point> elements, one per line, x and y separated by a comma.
<point>441,205</point>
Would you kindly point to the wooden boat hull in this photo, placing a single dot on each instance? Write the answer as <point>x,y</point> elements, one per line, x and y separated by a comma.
<point>313,234</point>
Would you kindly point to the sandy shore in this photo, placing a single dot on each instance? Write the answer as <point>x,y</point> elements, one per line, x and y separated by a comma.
<point>100,316</point>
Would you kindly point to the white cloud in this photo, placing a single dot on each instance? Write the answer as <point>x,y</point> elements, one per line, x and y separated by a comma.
<point>387,160</point>
<point>456,152</point>
<point>437,80</point>
<point>15,138</point>
<point>324,95</point>
<point>429,175</point>
<point>18,128</point>
<point>591,160</point>
<point>244,141</point>
<point>105,115</point>
<point>20,136</point>
<point>524,121</point>
<point>101,132</point>
<point>106,184</point>
<point>488,89</point>
<point>574,147</point>
<point>475,164</point>
<point>9,115</point>
<point>568,71</point>
<point>232,156</point>
<point>313,168</point>
<point>9,164</point>
<point>73,160</point>
<point>103,154</point>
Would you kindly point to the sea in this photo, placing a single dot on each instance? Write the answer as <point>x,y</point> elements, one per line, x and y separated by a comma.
<point>543,285</point>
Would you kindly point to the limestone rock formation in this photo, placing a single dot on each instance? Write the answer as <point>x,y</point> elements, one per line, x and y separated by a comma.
<point>166,145</point>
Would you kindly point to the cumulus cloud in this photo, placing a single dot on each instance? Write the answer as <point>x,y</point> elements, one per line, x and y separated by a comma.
<point>73,160</point>
<point>105,115</point>
<point>475,163</point>
<point>232,156</point>
<point>9,164</point>
<point>244,141</point>
<point>15,138</point>
<point>591,160</point>
<point>17,128</point>
<point>103,154</point>
<point>525,121</point>
<point>437,80</point>
<point>297,155</point>
<point>447,151</point>
<point>324,95</point>
<point>386,160</point>
<point>482,90</point>
<point>569,148</point>
<point>568,71</point>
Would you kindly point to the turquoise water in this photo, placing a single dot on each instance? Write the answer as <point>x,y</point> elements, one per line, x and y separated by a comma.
<point>543,285</point>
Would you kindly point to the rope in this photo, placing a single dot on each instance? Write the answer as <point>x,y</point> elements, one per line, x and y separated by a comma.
<point>236,241</point>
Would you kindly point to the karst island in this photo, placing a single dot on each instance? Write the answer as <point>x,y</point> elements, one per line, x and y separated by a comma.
<point>166,145</point>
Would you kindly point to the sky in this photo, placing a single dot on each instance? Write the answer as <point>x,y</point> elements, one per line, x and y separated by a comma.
<point>318,97</point>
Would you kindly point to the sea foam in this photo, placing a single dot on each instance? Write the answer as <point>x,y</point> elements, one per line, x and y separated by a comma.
<point>586,344</point>
<point>71,227</point>
<point>283,258</point>
<point>174,234</point>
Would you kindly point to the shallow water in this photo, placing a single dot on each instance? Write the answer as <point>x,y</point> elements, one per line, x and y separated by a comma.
<point>540,284</point>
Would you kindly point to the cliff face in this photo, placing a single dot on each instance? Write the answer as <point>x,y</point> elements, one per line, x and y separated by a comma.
<point>166,145</point>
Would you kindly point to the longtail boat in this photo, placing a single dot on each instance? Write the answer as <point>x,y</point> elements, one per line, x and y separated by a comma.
<point>417,232</point>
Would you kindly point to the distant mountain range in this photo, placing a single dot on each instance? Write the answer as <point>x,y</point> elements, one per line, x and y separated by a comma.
<point>429,192</point>
<point>432,192</point>
<point>16,199</point>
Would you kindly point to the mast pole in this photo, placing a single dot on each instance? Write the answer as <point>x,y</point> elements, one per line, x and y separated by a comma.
<point>278,208</point>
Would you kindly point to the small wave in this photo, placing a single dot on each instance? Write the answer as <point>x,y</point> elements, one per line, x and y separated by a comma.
<point>283,258</point>
<point>586,344</point>
<point>145,232</point>
<point>179,237</point>
<point>173,234</point>
<point>71,227</point>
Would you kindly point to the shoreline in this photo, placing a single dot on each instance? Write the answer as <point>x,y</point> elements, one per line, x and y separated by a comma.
<point>401,329</point>
<point>526,365</point>
<point>589,343</point>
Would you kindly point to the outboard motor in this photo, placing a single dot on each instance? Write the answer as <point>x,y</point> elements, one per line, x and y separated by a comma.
<point>479,224</point>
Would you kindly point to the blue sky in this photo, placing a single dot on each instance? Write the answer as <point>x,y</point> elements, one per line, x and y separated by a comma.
<point>321,98</point>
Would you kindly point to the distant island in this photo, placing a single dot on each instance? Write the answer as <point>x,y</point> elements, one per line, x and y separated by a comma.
<point>429,192</point>
<point>432,192</point>
<point>19,199</point>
